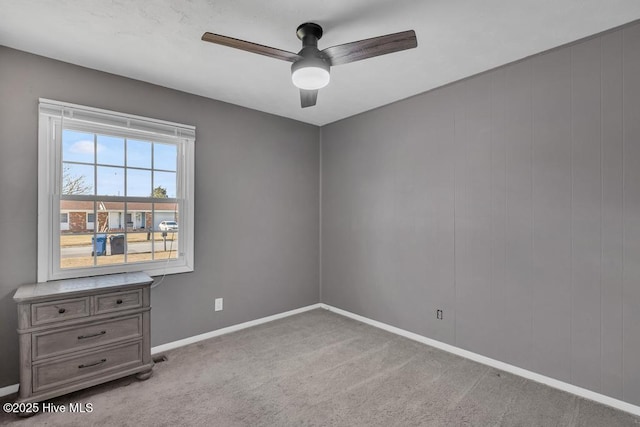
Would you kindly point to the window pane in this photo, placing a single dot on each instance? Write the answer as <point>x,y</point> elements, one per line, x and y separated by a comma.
<point>111,218</point>
<point>112,227</point>
<point>77,146</point>
<point>166,245</point>
<point>139,247</point>
<point>77,179</point>
<point>139,216</point>
<point>73,216</point>
<point>138,183</point>
<point>138,153</point>
<point>75,234</point>
<point>139,234</point>
<point>164,212</point>
<point>76,250</point>
<point>165,180</point>
<point>103,217</point>
<point>165,156</point>
<point>110,150</point>
<point>110,181</point>
<point>166,223</point>
<point>115,247</point>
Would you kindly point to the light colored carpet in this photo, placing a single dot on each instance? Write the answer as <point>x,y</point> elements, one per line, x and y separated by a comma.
<point>321,369</point>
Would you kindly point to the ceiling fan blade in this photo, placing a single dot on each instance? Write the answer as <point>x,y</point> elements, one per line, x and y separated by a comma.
<point>251,47</point>
<point>308,98</point>
<point>368,48</point>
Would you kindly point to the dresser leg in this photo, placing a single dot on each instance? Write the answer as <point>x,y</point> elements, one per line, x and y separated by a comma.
<point>144,375</point>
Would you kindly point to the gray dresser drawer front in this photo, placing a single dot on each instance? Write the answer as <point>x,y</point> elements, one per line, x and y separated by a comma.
<point>99,362</point>
<point>68,340</point>
<point>58,311</point>
<point>118,301</point>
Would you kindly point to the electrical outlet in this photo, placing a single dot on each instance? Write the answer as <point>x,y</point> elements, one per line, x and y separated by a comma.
<point>218,304</point>
<point>439,314</point>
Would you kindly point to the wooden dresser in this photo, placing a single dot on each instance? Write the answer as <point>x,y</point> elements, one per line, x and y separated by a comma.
<point>81,332</point>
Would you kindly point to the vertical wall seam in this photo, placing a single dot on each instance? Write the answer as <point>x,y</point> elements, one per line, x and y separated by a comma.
<point>455,219</point>
<point>320,175</point>
<point>455,202</point>
<point>492,284</point>
<point>465,183</point>
<point>506,192</point>
<point>532,258</point>
<point>571,234</point>
<point>622,53</point>
<point>601,221</point>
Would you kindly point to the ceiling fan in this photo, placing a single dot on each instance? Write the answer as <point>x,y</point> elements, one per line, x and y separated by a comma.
<point>310,68</point>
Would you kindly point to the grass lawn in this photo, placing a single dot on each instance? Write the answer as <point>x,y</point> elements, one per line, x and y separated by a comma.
<point>68,240</point>
<point>78,262</point>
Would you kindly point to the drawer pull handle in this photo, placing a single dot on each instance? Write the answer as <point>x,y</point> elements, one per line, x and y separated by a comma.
<point>119,301</point>
<point>92,364</point>
<point>82,337</point>
<point>62,310</point>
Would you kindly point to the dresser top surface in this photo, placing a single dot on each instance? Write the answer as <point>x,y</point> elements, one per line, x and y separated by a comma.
<point>70,287</point>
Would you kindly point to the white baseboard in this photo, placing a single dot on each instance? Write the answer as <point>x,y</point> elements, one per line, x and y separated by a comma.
<point>229,329</point>
<point>10,389</point>
<point>5,391</point>
<point>551,382</point>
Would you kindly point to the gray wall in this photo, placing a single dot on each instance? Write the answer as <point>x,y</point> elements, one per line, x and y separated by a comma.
<point>511,201</point>
<point>257,213</point>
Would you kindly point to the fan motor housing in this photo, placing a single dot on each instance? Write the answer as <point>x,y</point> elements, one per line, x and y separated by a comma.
<point>310,61</point>
<point>309,32</point>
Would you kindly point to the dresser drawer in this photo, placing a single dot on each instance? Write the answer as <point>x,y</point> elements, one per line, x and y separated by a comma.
<point>60,341</point>
<point>57,311</point>
<point>118,301</point>
<point>99,362</point>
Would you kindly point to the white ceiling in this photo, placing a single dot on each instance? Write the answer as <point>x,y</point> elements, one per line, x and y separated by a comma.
<point>159,42</point>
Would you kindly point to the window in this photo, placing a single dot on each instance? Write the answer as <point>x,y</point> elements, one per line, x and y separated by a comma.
<point>64,221</point>
<point>91,220</point>
<point>111,179</point>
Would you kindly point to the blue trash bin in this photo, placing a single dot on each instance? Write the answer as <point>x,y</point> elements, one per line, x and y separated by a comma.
<point>99,243</point>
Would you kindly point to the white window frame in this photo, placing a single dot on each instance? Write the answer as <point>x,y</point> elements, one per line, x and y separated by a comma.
<point>55,116</point>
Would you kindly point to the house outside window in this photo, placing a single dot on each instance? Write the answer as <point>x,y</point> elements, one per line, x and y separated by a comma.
<point>111,177</point>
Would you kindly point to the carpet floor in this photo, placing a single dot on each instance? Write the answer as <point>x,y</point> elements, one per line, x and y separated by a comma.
<point>322,369</point>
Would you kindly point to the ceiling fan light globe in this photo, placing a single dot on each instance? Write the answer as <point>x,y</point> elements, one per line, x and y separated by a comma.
<point>310,78</point>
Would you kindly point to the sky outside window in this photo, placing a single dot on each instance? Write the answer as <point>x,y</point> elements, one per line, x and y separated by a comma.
<point>165,156</point>
<point>138,154</point>
<point>110,150</point>
<point>77,146</point>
